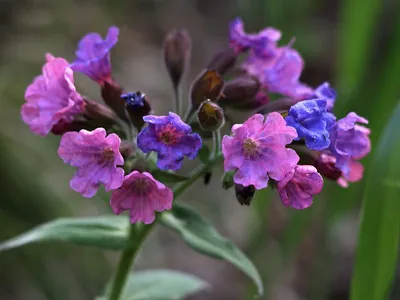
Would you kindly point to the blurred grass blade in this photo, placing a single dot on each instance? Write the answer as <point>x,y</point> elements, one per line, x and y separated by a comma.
<point>202,236</point>
<point>108,232</point>
<point>160,284</point>
<point>379,232</point>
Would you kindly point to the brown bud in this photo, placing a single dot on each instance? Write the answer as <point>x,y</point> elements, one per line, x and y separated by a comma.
<point>137,107</point>
<point>325,165</point>
<point>208,85</point>
<point>99,114</point>
<point>240,92</point>
<point>127,150</point>
<point>176,50</point>
<point>244,194</point>
<point>210,116</point>
<point>62,126</point>
<point>223,61</point>
<point>111,93</point>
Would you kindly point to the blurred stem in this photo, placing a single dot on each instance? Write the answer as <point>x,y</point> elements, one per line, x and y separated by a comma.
<point>178,102</point>
<point>216,142</point>
<point>139,232</point>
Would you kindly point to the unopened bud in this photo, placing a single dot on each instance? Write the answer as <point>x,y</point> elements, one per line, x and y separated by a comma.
<point>241,92</point>
<point>126,149</point>
<point>223,61</point>
<point>177,46</point>
<point>325,165</point>
<point>244,194</point>
<point>207,177</point>
<point>208,85</point>
<point>99,114</point>
<point>63,126</point>
<point>227,180</point>
<point>140,164</point>
<point>111,93</point>
<point>210,116</point>
<point>137,107</point>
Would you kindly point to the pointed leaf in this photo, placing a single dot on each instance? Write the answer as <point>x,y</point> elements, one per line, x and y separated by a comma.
<point>202,236</point>
<point>204,153</point>
<point>109,232</point>
<point>160,285</point>
<point>168,177</point>
<point>378,240</point>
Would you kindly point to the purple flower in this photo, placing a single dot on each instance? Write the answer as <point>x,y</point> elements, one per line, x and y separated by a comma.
<point>51,97</point>
<point>312,122</point>
<point>93,55</point>
<point>299,186</point>
<point>257,149</point>
<point>324,91</point>
<point>171,138</point>
<point>142,195</point>
<point>96,157</point>
<point>349,141</point>
<point>262,43</point>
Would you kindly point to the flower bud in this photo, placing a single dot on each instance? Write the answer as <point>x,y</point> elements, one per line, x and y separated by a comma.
<point>207,178</point>
<point>244,194</point>
<point>241,92</point>
<point>227,179</point>
<point>210,116</point>
<point>63,126</point>
<point>111,93</point>
<point>99,114</point>
<point>208,85</point>
<point>223,61</point>
<point>127,150</point>
<point>137,107</point>
<point>325,165</point>
<point>177,46</point>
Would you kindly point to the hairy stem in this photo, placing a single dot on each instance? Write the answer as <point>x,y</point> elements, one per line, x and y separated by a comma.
<point>216,143</point>
<point>139,232</point>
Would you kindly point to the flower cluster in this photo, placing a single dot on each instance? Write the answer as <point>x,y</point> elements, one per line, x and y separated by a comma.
<point>108,143</point>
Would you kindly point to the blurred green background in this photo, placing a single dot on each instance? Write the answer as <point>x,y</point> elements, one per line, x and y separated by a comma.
<point>354,44</point>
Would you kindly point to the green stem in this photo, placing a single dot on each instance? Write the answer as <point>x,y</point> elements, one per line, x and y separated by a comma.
<point>138,234</point>
<point>216,143</point>
<point>178,102</point>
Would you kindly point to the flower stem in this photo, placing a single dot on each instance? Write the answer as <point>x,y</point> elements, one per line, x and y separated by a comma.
<point>139,232</point>
<point>216,143</point>
<point>178,101</point>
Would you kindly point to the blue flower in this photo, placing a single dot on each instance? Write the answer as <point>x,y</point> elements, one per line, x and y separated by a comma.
<point>325,91</point>
<point>171,138</point>
<point>312,122</point>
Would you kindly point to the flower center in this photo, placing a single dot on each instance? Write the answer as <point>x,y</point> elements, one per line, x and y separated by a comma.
<point>108,154</point>
<point>250,147</point>
<point>141,187</point>
<point>169,135</point>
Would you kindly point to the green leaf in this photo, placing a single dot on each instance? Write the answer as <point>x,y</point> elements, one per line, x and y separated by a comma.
<point>168,177</point>
<point>378,240</point>
<point>204,153</point>
<point>108,232</point>
<point>160,285</point>
<point>202,236</point>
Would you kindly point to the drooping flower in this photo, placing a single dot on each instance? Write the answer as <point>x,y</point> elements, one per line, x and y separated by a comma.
<point>142,195</point>
<point>96,156</point>
<point>349,141</point>
<point>324,91</point>
<point>262,43</point>
<point>257,149</point>
<point>93,55</point>
<point>171,138</point>
<point>312,122</point>
<point>51,97</point>
<point>299,186</point>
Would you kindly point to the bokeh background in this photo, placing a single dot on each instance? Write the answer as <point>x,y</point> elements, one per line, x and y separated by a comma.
<point>354,44</point>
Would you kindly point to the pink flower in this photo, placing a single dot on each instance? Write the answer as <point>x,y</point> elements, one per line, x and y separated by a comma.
<point>96,157</point>
<point>142,195</point>
<point>51,97</point>
<point>299,186</point>
<point>257,149</point>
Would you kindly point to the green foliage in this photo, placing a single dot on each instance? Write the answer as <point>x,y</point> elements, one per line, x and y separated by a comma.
<point>204,153</point>
<point>160,285</point>
<point>108,232</point>
<point>202,237</point>
<point>378,241</point>
<point>168,177</point>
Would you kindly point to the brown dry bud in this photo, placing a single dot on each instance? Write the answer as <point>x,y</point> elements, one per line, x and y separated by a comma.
<point>244,194</point>
<point>208,85</point>
<point>240,92</point>
<point>99,113</point>
<point>223,61</point>
<point>111,93</point>
<point>210,116</point>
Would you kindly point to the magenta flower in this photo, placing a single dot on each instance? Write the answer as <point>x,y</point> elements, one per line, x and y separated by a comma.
<point>299,186</point>
<point>349,141</point>
<point>96,157</point>
<point>93,55</point>
<point>51,97</point>
<point>257,149</point>
<point>171,138</point>
<point>262,43</point>
<point>142,195</point>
